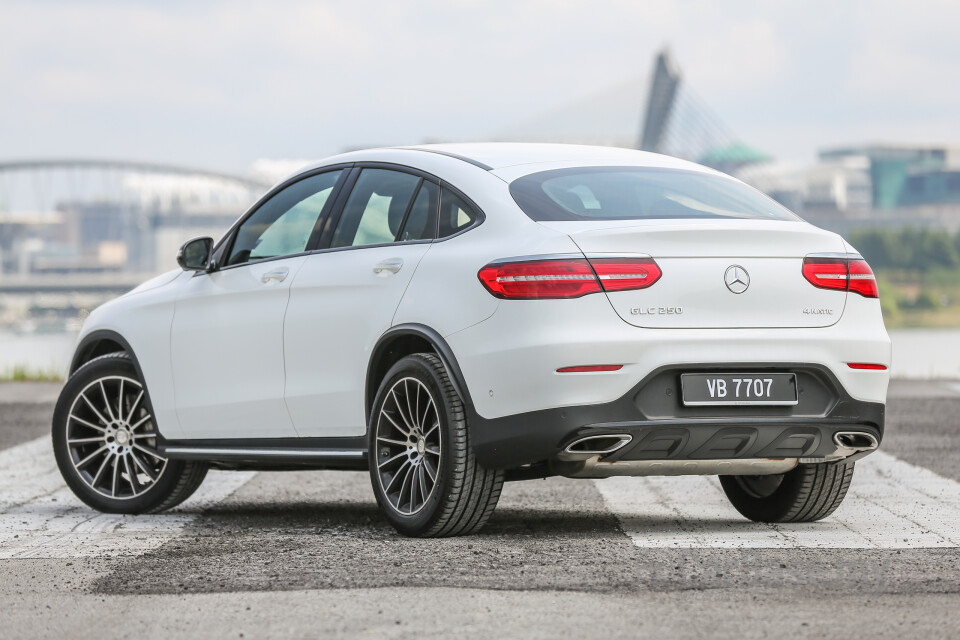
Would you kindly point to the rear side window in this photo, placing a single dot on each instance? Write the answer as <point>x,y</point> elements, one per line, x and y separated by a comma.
<point>421,222</point>
<point>376,208</point>
<point>455,214</point>
<point>637,193</point>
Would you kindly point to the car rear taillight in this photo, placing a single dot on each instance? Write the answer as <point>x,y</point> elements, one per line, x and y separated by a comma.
<point>862,280</point>
<point>540,279</point>
<point>843,274</point>
<point>624,274</point>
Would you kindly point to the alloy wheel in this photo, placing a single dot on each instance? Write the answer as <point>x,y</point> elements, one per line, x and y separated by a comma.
<point>408,445</point>
<point>112,438</point>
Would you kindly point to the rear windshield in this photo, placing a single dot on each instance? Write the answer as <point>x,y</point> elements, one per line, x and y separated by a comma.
<point>637,193</point>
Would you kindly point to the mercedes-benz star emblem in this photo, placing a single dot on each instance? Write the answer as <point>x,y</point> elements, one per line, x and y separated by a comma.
<point>736,278</point>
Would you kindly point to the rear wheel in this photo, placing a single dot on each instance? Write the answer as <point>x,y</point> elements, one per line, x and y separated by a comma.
<point>424,474</point>
<point>105,440</point>
<point>808,493</point>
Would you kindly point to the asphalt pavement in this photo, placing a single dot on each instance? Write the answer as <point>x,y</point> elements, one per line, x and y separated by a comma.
<point>307,554</point>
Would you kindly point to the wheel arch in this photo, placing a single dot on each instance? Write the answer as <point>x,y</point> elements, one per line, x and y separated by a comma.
<point>99,343</point>
<point>403,340</point>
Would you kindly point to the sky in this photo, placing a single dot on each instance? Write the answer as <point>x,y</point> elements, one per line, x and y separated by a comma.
<point>218,85</point>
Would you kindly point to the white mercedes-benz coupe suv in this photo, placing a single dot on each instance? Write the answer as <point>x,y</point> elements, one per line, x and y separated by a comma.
<point>451,317</point>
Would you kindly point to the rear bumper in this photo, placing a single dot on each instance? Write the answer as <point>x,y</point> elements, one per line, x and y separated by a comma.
<point>509,361</point>
<point>523,411</point>
<point>661,428</point>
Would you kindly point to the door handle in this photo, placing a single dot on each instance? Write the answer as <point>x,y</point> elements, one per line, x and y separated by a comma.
<point>392,265</point>
<point>276,275</point>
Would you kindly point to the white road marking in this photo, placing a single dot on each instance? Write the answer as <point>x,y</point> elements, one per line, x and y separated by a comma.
<point>891,505</point>
<point>41,518</point>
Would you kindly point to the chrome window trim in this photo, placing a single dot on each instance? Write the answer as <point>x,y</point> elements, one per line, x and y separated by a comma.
<point>571,256</point>
<point>619,254</point>
<point>546,256</point>
<point>840,256</point>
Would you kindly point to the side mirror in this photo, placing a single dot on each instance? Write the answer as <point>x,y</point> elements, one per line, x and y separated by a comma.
<point>194,255</point>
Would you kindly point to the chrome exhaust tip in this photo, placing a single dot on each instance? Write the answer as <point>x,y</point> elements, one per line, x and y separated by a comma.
<point>599,445</point>
<point>858,440</point>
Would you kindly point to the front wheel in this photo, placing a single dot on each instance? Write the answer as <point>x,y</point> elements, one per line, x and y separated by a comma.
<point>105,440</point>
<point>424,474</point>
<point>808,493</point>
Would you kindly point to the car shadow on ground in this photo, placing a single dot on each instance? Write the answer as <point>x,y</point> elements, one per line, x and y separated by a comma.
<point>346,544</point>
<point>366,519</point>
<point>362,516</point>
<point>258,546</point>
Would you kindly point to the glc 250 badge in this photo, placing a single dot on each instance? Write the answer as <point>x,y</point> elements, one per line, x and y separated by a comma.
<point>656,311</point>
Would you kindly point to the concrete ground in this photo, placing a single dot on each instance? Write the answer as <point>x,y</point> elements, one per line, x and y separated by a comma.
<point>307,554</point>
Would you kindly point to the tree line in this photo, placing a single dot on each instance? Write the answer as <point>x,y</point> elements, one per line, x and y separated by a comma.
<point>916,249</point>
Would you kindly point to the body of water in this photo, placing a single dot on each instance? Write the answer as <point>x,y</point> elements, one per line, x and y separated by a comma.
<point>917,353</point>
<point>926,353</point>
<point>46,352</point>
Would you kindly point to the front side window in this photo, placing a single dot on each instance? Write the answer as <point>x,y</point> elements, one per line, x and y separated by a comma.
<point>283,225</point>
<point>638,193</point>
<point>376,208</point>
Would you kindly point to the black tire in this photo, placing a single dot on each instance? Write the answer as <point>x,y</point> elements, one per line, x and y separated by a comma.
<point>115,376</point>
<point>464,494</point>
<point>808,493</point>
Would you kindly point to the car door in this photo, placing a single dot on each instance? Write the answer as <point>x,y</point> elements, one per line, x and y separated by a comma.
<point>227,334</point>
<point>344,297</point>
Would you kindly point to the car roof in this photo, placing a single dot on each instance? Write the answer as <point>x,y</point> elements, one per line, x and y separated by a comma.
<point>500,155</point>
<point>508,160</point>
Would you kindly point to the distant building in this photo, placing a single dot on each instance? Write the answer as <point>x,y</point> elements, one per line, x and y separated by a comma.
<point>906,175</point>
<point>108,218</point>
<point>842,185</point>
<point>890,186</point>
<point>733,157</point>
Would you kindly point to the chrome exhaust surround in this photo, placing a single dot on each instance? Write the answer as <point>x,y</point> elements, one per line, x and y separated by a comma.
<point>858,440</point>
<point>590,446</point>
<point>851,446</point>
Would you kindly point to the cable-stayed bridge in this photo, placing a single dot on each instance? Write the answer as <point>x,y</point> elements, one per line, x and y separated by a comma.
<point>679,123</point>
<point>658,112</point>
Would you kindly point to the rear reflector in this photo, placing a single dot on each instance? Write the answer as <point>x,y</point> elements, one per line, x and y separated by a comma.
<point>590,368</point>
<point>567,278</point>
<point>867,365</point>
<point>841,274</point>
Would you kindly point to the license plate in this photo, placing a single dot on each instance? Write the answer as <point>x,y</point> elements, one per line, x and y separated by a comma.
<point>739,389</point>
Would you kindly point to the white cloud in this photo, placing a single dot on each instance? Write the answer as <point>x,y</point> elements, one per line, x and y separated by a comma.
<point>738,55</point>
<point>219,83</point>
